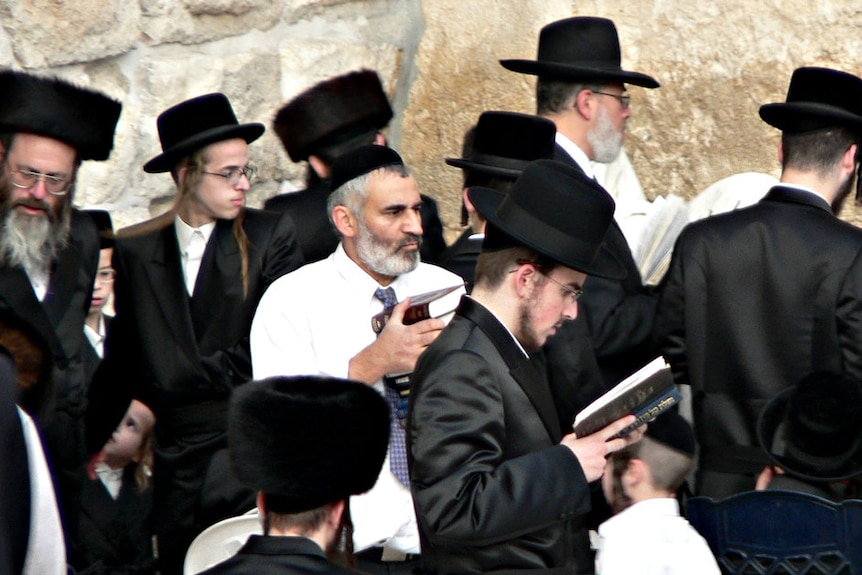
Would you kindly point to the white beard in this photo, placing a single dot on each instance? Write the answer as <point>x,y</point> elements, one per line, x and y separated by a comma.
<point>32,242</point>
<point>381,258</point>
<point>605,139</point>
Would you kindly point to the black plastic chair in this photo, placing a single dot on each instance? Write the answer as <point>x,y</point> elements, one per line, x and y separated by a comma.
<point>781,532</point>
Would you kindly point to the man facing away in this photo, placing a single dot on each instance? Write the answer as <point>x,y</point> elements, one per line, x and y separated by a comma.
<point>187,285</point>
<point>317,320</point>
<point>48,250</point>
<point>499,486</point>
<point>758,298</point>
<point>581,87</point>
<point>302,495</point>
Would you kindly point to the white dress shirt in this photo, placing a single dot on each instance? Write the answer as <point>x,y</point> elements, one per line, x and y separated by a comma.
<point>650,538</point>
<point>97,338</point>
<point>192,257</point>
<point>312,322</point>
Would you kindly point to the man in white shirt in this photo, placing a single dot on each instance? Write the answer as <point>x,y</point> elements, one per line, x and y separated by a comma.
<point>317,321</point>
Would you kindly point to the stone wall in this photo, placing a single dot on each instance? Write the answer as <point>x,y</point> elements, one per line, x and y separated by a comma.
<point>717,62</point>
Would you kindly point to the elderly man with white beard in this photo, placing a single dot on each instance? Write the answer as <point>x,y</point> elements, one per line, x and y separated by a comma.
<point>49,252</point>
<point>317,321</point>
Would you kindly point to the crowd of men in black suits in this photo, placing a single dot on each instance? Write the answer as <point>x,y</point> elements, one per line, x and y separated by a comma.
<point>754,301</point>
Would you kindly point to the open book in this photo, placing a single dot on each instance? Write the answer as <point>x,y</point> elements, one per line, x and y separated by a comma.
<point>439,303</point>
<point>645,394</point>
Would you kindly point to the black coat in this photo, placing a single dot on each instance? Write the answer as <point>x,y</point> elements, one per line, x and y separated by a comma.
<point>754,301</point>
<point>619,313</point>
<point>494,491</point>
<point>14,475</point>
<point>59,320</point>
<point>277,555</point>
<point>460,258</point>
<point>181,355</point>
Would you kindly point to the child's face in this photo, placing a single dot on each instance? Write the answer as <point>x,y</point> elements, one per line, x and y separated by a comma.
<point>125,445</point>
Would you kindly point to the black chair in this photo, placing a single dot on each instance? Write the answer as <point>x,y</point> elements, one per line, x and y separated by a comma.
<point>781,532</point>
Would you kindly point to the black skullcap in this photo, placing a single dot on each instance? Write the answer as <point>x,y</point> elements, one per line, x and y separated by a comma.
<point>361,161</point>
<point>672,430</point>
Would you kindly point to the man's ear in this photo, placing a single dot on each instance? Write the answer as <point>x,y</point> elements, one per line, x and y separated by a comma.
<point>525,279</point>
<point>345,221</point>
<point>584,104</point>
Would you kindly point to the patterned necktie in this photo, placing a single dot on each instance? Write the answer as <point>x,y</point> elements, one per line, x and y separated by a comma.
<point>397,408</point>
<point>194,254</point>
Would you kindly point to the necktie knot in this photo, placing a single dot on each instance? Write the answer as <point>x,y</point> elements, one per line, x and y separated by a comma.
<point>387,296</point>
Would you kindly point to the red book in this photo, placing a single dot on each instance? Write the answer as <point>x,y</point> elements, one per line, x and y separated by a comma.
<point>437,303</point>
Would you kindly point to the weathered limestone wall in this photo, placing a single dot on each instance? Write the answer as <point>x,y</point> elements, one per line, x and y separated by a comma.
<point>717,62</point>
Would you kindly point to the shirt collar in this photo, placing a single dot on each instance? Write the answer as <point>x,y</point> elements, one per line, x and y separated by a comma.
<point>803,189</point>
<point>576,153</point>
<point>358,278</point>
<point>185,231</point>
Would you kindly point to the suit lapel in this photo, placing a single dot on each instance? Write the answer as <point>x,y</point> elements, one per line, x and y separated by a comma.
<point>165,274</point>
<point>16,290</point>
<point>522,370</point>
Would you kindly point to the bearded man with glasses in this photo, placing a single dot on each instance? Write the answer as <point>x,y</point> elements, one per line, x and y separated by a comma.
<point>49,251</point>
<point>187,285</point>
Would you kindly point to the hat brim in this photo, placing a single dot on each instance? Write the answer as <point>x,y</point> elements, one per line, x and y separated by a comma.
<point>166,161</point>
<point>485,168</point>
<point>221,541</point>
<point>547,241</point>
<point>571,72</point>
<point>768,425</point>
<point>789,115</point>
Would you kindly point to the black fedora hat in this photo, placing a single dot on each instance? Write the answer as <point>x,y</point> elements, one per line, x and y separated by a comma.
<point>85,119</point>
<point>556,210</point>
<point>195,123</point>
<point>272,449</point>
<point>580,48</point>
<point>331,112</point>
<point>817,98</point>
<point>505,142</point>
<point>813,430</point>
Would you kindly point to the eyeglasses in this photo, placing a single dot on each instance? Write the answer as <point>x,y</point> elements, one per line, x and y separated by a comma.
<point>233,175</point>
<point>106,276</point>
<point>625,99</point>
<point>573,293</point>
<point>54,185</point>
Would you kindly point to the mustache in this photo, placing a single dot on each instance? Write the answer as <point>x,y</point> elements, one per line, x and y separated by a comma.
<point>409,239</point>
<point>33,203</point>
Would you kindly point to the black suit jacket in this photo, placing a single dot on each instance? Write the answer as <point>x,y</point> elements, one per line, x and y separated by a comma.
<point>59,320</point>
<point>277,555</point>
<point>494,490</point>
<point>619,313</point>
<point>754,301</point>
<point>14,475</point>
<point>181,355</point>
<point>460,258</point>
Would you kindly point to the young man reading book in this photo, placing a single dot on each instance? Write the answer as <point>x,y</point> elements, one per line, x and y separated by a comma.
<point>318,321</point>
<point>647,535</point>
<point>497,484</point>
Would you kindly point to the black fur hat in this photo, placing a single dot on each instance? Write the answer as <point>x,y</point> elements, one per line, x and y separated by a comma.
<point>85,119</point>
<point>307,440</point>
<point>332,112</point>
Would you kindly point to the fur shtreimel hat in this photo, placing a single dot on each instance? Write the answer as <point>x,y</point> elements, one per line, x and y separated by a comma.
<point>83,118</point>
<point>332,112</point>
<point>505,142</point>
<point>813,430</point>
<point>194,124</point>
<point>582,48</point>
<point>554,209</point>
<point>307,440</point>
<point>817,98</point>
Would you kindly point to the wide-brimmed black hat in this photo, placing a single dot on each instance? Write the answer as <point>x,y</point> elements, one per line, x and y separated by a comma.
<point>817,98</point>
<point>361,161</point>
<point>554,209</point>
<point>505,142</point>
<point>813,430</point>
<point>582,48</point>
<point>307,440</point>
<point>83,118</point>
<point>195,123</point>
<point>332,112</point>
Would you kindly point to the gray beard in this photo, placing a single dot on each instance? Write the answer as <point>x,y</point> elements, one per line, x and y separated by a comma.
<point>605,140</point>
<point>34,243</point>
<point>376,255</point>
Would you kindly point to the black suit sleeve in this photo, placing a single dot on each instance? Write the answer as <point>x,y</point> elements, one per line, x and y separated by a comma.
<point>669,334</point>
